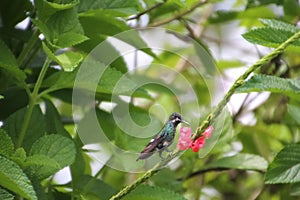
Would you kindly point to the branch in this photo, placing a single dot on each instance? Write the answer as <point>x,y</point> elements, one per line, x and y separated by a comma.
<point>180,15</point>
<point>137,16</point>
<point>216,169</point>
<point>33,98</point>
<point>215,113</point>
<point>240,81</point>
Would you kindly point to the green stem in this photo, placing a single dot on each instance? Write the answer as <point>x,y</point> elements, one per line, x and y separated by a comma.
<point>28,47</point>
<point>33,98</point>
<point>240,81</point>
<point>215,113</point>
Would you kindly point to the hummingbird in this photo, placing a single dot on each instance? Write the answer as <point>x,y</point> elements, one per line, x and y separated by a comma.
<point>163,138</point>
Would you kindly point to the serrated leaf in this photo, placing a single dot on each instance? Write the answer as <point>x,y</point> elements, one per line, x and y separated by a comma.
<point>70,39</point>
<point>269,37</point>
<point>56,147</point>
<point>8,63</point>
<point>259,83</point>
<point>13,178</point>
<point>240,161</point>
<point>69,60</point>
<point>19,156</point>
<point>36,127</point>
<point>47,8</point>
<point>294,111</point>
<point>152,193</point>
<point>273,23</point>
<point>4,195</point>
<point>274,34</point>
<point>6,144</point>
<point>285,167</point>
<point>65,23</point>
<point>41,166</point>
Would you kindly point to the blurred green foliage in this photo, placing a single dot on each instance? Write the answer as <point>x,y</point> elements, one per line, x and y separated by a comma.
<point>256,160</point>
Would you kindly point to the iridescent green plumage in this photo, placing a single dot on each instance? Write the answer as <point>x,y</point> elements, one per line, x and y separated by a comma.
<point>164,137</point>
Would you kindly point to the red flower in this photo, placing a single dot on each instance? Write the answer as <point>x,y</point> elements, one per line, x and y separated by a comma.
<point>185,140</point>
<point>198,144</point>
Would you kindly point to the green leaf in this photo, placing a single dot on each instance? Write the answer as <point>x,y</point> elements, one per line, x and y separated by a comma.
<point>259,83</point>
<point>53,121</point>
<point>70,39</point>
<point>36,128</point>
<point>89,78</point>
<point>285,167</point>
<point>120,8</point>
<point>274,34</point>
<point>8,63</point>
<point>240,161</point>
<point>69,60</point>
<point>41,166</point>
<point>295,189</point>
<point>272,23</point>
<point>294,111</point>
<point>92,188</point>
<point>98,22</point>
<point>19,156</point>
<point>228,64</point>
<point>1,97</point>
<point>6,144</point>
<point>167,178</point>
<point>13,178</point>
<point>248,16</point>
<point>56,147</point>
<point>254,3</point>
<point>152,193</point>
<point>4,195</point>
<point>64,24</point>
<point>79,165</point>
<point>47,8</point>
<point>291,8</point>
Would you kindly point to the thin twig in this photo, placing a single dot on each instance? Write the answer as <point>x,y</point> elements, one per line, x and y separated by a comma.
<point>137,16</point>
<point>215,113</point>
<point>180,15</point>
<point>215,169</point>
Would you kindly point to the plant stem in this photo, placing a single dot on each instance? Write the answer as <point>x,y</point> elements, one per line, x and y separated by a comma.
<point>33,39</point>
<point>180,15</point>
<point>137,16</point>
<point>240,81</point>
<point>215,113</point>
<point>33,98</point>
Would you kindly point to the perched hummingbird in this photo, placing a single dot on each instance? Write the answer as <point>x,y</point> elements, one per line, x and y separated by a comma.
<point>164,137</point>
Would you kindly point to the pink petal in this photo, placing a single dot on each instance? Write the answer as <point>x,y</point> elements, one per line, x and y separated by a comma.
<point>208,131</point>
<point>185,139</point>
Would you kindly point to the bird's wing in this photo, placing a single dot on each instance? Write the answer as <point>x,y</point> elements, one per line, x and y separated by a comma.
<point>150,148</point>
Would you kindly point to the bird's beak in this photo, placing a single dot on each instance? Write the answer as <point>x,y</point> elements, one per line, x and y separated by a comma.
<point>183,121</point>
